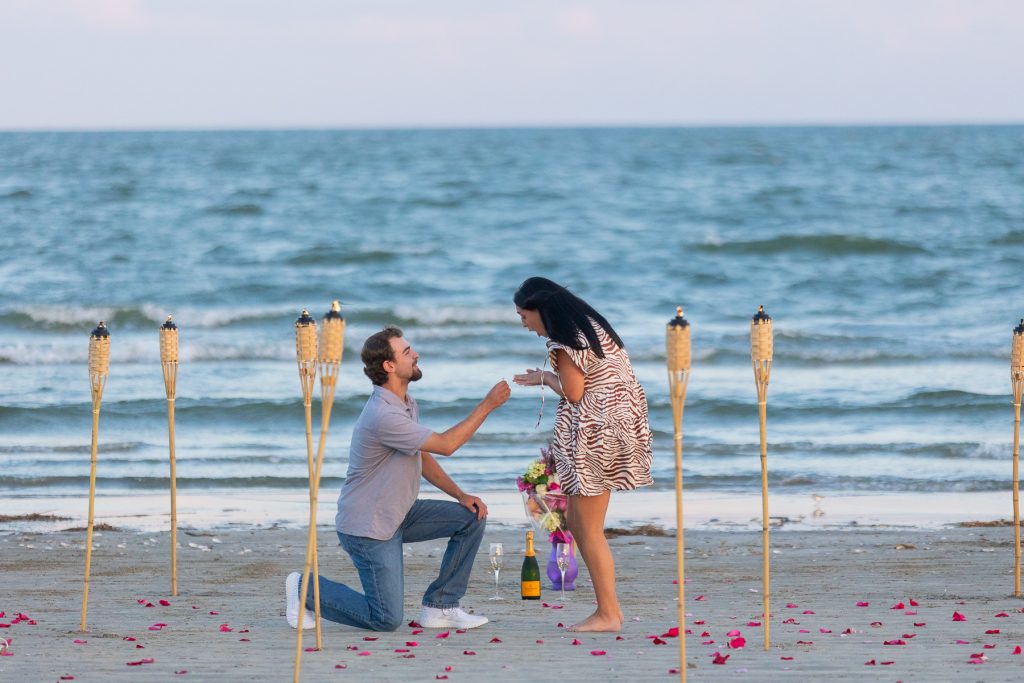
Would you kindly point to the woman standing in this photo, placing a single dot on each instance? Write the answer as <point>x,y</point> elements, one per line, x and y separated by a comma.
<point>602,437</point>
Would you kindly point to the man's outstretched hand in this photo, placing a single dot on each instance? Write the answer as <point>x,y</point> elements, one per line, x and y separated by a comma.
<point>475,504</point>
<point>498,394</point>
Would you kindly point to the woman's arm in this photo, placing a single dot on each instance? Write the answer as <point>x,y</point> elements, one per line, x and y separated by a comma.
<point>570,377</point>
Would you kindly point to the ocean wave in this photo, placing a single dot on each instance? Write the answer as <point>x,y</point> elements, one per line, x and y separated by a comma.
<point>316,256</point>
<point>17,194</point>
<point>832,245</point>
<point>246,209</point>
<point>139,316</point>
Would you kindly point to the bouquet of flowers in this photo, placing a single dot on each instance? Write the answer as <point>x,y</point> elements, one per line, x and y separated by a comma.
<point>543,498</point>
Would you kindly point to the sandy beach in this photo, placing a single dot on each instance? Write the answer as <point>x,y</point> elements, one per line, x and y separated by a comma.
<point>842,608</point>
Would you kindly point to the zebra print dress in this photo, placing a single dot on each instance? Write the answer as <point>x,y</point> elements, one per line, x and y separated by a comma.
<point>602,443</point>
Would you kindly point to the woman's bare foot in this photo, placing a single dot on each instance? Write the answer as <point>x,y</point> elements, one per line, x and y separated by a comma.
<point>598,622</point>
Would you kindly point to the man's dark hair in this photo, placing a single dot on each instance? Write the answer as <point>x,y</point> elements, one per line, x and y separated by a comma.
<point>565,316</point>
<point>376,350</point>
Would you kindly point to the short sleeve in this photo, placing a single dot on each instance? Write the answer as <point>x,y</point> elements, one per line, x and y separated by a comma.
<point>399,432</point>
<point>578,356</point>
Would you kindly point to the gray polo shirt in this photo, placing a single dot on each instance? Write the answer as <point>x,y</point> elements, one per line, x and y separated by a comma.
<point>384,467</point>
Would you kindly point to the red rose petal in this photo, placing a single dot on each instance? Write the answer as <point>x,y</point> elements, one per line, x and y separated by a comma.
<point>364,653</point>
<point>671,633</point>
<point>147,660</point>
<point>914,603</point>
<point>81,642</point>
<point>402,649</point>
<point>737,643</point>
<point>181,672</point>
<point>825,630</point>
<point>310,649</point>
<point>989,647</point>
<point>991,631</point>
<point>415,624</point>
<point>786,659</point>
<point>963,642</point>
<point>540,642</point>
<point>157,627</point>
<point>411,643</point>
<point>244,640</point>
<point>791,605</point>
<point>576,642</point>
<point>700,622</point>
<point>416,632</point>
<point>700,598</point>
<point>889,663</point>
<point>719,658</point>
<point>140,647</point>
<point>598,653</point>
<point>753,623</point>
<point>791,620</point>
<point>908,636</point>
<point>129,639</point>
<point>448,668</point>
<point>164,603</point>
<point>898,605</point>
<point>495,640</point>
<point>1016,650</point>
<point>894,642</point>
<point>443,635</point>
<point>1002,615</point>
<point>619,638</point>
<point>870,662</point>
<point>371,638</point>
<point>341,666</point>
<point>958,617</point>
<point>224,628</point>
<point>215,613</point>
<point>468,652</point>
<point>864,604</point>
<point>919,624</point>
<point>808,611</point>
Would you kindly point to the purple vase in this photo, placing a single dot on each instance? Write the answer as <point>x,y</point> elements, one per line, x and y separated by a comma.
<point>571,572</point>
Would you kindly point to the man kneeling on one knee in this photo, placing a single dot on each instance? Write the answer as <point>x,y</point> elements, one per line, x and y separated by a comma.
<point>378,509</point>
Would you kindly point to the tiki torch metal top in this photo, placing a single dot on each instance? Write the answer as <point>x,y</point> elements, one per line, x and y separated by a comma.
<point>761,345</point>
<point>305,337</point>
<point>169,341</point>
<point>99,350</point>
<point>1017,355</point>
<point>677,342</point>
<point>332,335</point>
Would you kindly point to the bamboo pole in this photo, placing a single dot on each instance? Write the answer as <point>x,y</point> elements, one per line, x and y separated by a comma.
<point>677,352</point>
<point>306,355</point>
<point>99,368</point>
<point>1017,379</point>
<point>169,363</point>
<point>761,356</point>
<point>331,347</point>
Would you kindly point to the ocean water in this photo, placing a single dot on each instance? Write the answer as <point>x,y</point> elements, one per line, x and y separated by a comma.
<point>890,259</point>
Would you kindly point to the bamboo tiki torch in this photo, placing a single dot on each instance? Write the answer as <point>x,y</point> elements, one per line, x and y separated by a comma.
<point>169,363</point>
<point>305,350</point>
<point>99,367</point>
<point>761,356</point>
<point>332,341</point>
<point>1017,378</point>
<point>677,351</point>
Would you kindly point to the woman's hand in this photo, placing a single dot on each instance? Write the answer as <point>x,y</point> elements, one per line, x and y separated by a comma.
<point>530,378</point>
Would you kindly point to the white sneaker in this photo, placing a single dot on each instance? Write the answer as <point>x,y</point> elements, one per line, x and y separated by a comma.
<point>291,594</point>
<point>452,617</point>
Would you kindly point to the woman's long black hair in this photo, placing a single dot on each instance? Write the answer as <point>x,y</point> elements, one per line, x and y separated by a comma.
<point>565,315</point>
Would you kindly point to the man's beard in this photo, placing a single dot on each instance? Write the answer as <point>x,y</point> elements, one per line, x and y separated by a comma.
<point>417,374</point>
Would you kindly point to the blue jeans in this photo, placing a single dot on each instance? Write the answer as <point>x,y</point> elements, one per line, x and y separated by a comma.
<point>381,568</point>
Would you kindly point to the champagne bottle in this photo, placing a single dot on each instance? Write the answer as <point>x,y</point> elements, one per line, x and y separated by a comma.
<point>530,575</point>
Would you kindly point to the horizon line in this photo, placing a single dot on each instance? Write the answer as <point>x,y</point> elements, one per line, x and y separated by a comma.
<point>509,126</point>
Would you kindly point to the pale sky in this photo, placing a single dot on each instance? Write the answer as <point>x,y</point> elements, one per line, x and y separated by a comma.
<point>156,64</point>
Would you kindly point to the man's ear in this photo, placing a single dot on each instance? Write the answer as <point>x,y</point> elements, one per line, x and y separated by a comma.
<point>385,364</point>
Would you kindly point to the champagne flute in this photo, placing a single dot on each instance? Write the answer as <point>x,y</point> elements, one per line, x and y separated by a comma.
<point>497,555</point>
<point>562,551</point>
